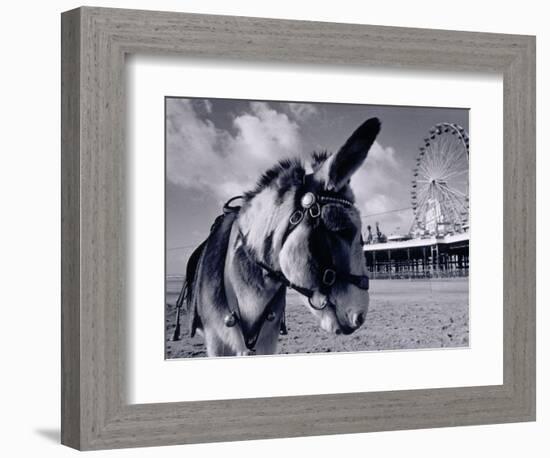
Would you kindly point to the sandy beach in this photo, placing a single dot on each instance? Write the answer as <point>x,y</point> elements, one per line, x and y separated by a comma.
<point>403,314</point>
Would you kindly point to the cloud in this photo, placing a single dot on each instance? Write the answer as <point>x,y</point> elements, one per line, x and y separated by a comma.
<point>202,156</point>
<point>265,134</point>
<point>302,111</point>
<point>377,175</point>
<point>381,185</point>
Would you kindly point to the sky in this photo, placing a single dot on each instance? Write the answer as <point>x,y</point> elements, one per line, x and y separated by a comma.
<point>217,148</point>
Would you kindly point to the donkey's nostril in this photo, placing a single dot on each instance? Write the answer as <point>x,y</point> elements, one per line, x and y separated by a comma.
<point>358,319</point>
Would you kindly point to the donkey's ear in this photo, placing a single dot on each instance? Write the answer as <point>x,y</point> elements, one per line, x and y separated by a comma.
<point>339,168</point>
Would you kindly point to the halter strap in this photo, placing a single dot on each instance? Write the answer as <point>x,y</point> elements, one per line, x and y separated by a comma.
<point>360,281</point>
<point>279,276</point>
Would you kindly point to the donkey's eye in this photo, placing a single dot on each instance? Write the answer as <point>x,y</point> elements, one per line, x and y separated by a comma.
<point>338,219</point>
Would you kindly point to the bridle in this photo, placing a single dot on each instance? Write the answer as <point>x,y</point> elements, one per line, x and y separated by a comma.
<point>310,206</point>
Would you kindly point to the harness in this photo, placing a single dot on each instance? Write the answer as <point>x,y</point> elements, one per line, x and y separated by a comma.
<point>252,334</point>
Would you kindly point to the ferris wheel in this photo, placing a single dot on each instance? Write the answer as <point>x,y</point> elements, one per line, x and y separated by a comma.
<point>440,189</point>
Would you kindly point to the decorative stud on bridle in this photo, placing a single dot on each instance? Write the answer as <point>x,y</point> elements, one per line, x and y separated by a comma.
<point>312,204</point>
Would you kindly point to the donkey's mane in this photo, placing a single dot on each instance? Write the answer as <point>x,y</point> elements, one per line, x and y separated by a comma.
<point>287,172</point>
<point>317,159</point>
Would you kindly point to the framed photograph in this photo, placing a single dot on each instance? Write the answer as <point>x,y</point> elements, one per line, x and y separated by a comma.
<point>278,228</point>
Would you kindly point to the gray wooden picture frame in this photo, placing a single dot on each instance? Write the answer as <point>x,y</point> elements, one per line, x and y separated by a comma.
<point>95,412</point>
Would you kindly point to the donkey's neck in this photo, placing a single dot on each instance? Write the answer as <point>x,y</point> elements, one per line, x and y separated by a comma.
<point>256,238</point>
<point>247,288</point>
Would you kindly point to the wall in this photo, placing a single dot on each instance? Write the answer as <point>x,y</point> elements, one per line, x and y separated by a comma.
<point>29,229</point>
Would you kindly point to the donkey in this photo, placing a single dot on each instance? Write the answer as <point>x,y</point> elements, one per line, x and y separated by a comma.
<point>295,229</point>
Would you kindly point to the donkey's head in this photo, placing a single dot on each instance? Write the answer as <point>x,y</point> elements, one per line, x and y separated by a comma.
<point>307,226</point>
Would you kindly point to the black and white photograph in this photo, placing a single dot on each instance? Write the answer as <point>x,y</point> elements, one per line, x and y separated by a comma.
<point>314,227</point>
